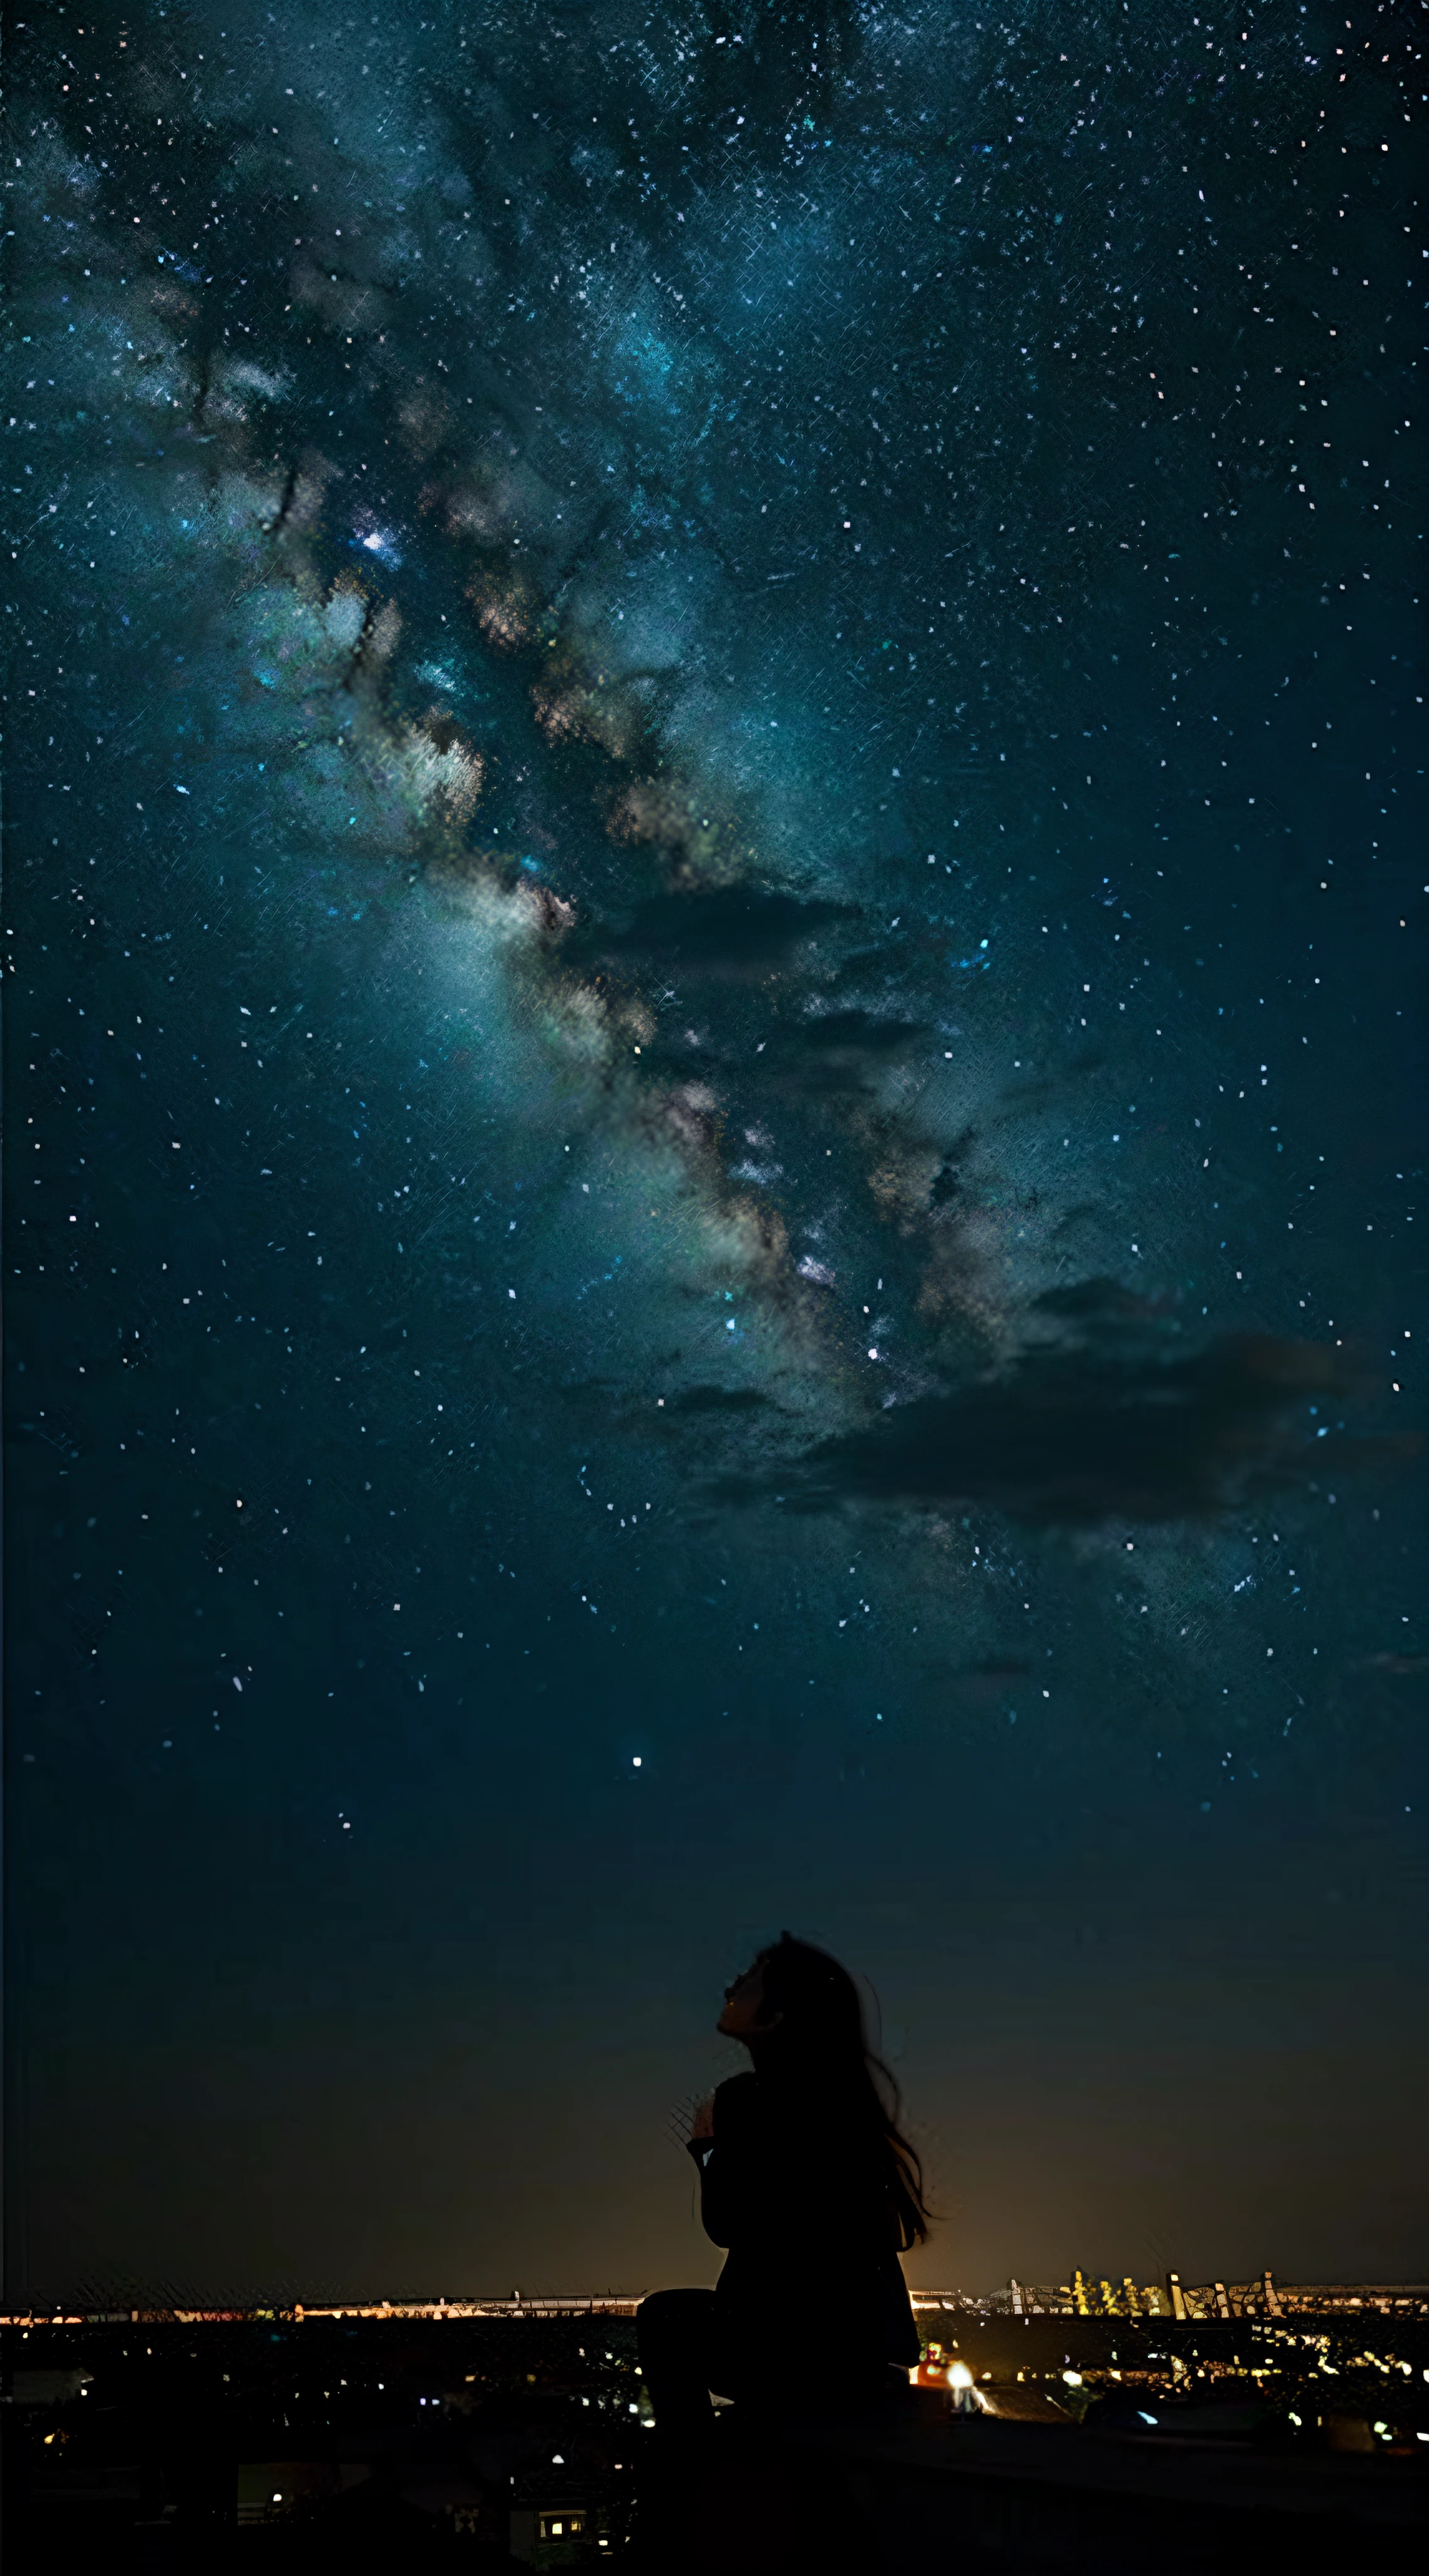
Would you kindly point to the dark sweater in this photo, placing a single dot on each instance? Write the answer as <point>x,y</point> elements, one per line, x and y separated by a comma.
<point>805,2210</point>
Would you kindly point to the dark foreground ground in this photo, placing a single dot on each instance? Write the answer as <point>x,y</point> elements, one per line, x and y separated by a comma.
<point>498,2442</point>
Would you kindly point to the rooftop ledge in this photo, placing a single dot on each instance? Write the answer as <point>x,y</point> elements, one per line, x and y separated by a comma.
<point>938,2490</point>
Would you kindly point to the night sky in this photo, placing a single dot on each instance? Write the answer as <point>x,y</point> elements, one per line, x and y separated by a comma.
<point>714,905</point>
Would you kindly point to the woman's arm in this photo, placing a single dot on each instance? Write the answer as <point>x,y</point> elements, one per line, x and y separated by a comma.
<point>721,2142</point>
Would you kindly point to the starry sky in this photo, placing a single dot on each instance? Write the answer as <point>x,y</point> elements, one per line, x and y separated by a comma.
<point>714,930</point>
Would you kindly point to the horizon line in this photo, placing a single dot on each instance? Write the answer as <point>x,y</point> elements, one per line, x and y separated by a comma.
<point>1020,2297</point>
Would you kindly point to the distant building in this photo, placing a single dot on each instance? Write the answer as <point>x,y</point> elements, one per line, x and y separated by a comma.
<point>1180,2301</point>
<point>555,2517</point>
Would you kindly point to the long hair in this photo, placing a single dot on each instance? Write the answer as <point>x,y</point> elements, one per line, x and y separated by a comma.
<point>821,2043</point>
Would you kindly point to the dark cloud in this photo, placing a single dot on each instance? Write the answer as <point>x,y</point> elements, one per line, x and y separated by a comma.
<point>717,1400</point>
<point>725,933</point>
<point>1111,1419</point>
<point>837,1051</point>
<point>831,1056</point>
<point>602,1405</point>
<point>948,1185</point>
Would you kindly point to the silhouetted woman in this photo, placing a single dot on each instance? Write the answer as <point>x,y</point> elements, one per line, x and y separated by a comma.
<point>805,2177</point>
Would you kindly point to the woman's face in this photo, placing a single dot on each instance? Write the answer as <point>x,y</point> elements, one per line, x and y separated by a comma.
<point>746,2014</point>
